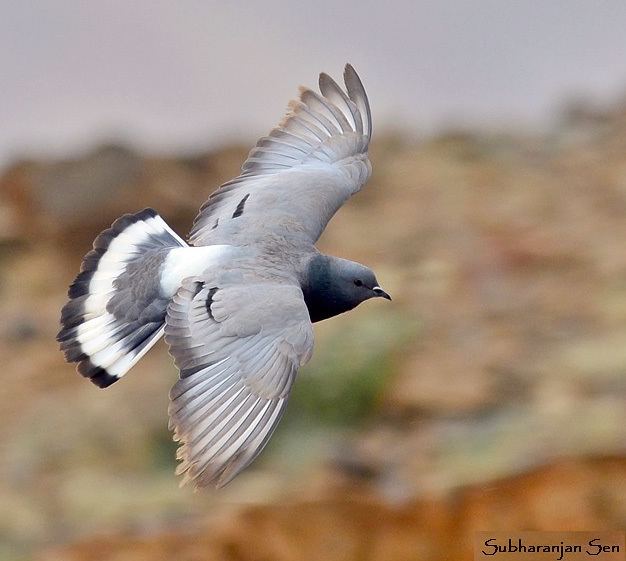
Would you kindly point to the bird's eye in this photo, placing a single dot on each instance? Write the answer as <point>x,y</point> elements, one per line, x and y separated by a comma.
<point>358,282</point>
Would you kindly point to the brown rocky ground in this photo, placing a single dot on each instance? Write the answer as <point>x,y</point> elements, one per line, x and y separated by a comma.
<point>349,523</point>
<point>489,395</point>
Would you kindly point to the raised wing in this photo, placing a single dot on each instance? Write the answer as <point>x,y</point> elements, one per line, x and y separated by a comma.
<point>238,349</point>
<point>295,179</point>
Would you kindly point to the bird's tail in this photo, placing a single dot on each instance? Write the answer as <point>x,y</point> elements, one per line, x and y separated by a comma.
<point>115,312</point>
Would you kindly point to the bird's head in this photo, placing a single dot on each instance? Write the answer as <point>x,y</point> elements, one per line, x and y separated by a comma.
<point>355,282</point>
<point>332,286</point>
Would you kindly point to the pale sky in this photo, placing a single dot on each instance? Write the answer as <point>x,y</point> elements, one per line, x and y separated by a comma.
<point>166,75</point>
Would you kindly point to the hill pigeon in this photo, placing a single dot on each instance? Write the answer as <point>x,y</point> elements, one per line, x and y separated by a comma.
<point>237,301</point>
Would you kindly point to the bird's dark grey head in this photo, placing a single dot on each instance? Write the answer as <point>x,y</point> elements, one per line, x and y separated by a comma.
<point>333,286</point>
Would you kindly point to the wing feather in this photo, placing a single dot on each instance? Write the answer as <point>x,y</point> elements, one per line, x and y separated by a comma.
<point>307,166</point>
<point>356,91</point>
<point>333,92</point>
<point>238,355</point>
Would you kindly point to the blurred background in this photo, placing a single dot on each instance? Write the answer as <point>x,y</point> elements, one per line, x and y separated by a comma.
<point>489,395</point>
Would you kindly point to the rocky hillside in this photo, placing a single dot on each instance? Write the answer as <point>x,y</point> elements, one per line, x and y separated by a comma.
<point>490,394</point>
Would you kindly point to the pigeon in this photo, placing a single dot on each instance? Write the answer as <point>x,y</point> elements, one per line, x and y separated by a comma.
<point>236,302</point>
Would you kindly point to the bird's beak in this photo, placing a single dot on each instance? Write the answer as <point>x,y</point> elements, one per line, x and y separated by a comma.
<point>381,293</point>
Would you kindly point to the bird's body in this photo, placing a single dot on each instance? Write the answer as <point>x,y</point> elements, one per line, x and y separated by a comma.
<point>237,304</point>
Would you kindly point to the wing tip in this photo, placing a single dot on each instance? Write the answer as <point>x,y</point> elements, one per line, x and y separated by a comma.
<point>357,93</point>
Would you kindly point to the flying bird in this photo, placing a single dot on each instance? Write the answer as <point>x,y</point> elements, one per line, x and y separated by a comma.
<point>236,302</point>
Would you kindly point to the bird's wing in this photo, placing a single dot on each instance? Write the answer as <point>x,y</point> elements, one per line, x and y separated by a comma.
<point>238,348</point>
<point>295,179</point>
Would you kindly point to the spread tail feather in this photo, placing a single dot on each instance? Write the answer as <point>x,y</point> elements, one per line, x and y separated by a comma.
<point>115,313</point>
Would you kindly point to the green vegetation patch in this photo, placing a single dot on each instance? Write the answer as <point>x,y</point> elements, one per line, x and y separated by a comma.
<point>352,364</point>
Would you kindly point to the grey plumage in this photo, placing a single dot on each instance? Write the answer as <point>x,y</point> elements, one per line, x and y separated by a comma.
<point>238,305</point>
<point>298,176</point>
<point>237,361</point>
